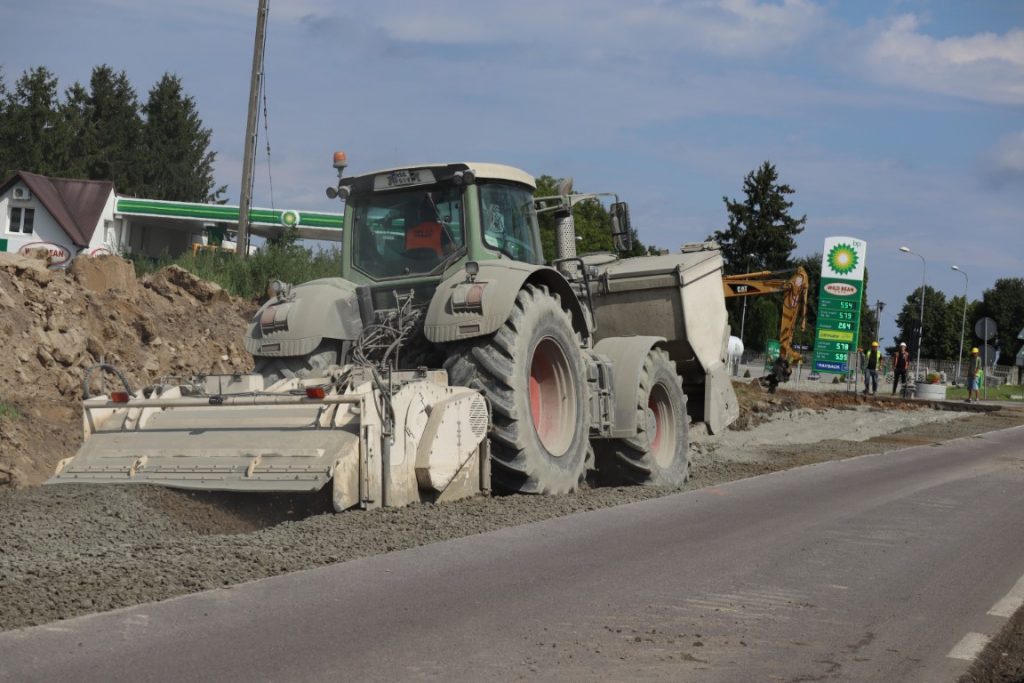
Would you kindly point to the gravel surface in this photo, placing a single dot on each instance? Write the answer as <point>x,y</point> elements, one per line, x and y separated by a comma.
<point>76,549</point>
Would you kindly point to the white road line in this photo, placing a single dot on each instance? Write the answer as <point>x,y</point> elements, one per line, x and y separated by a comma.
<point>969,647</point>
<point>1010,602</point>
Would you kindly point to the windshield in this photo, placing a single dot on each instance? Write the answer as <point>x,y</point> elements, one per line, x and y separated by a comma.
<point>405,232</point>
<point>509,221</point>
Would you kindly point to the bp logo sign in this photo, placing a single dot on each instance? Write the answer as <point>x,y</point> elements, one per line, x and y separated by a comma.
<point>289,219</point>
<point>842,258</point>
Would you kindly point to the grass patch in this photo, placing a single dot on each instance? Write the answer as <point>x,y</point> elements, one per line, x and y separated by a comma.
<point>9,411</point>
<point>248,277</point>
<point>1004,392</point>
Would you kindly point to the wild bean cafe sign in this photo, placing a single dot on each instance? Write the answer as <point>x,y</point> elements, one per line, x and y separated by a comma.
<point>839,300</point>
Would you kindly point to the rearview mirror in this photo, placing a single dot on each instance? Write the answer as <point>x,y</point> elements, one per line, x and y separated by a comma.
<point>622,230</point>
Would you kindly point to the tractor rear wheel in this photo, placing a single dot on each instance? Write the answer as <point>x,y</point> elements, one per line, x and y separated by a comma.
<point>532,373</point>
<point>659,453</point>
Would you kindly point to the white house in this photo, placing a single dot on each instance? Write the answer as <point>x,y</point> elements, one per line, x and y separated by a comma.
<point>66,217</point>
<point>72,217</point>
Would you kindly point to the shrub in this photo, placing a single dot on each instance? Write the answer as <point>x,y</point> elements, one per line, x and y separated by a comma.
<point>248,277</point>
<point>933,378</point>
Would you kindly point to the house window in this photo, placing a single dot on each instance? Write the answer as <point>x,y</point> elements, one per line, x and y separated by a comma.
<point>22,220</point>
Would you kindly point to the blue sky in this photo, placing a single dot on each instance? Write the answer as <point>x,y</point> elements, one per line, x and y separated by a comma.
<point>898,122</point>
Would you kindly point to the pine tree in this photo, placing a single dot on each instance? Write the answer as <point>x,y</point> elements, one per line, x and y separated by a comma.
<point>72,156</point>
<point>115,129</point>
<point>178,160</point>
<point>759,237</point>
<point>29,134</point>
<point>761,231</point>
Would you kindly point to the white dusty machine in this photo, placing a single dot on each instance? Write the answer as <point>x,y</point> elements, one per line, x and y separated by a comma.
<point>225,432</point>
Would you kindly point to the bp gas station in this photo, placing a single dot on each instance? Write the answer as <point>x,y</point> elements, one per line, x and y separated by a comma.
<point>155,228</point>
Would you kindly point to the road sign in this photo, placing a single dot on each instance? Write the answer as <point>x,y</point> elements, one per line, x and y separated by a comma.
<point>988,354</point>
<point>771,353</point>
<point>840,294</point>
<point>985,329</point>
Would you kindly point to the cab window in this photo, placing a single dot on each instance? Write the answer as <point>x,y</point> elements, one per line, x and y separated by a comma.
<point>509,221</point>
<point>405,232</point>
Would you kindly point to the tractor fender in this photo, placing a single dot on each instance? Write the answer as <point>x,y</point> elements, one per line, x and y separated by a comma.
<point>295,324</point>
<point>627,355</point>
<point>463,309</point>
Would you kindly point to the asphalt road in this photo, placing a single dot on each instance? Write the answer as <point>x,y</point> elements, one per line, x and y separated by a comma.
<point>878,568</point>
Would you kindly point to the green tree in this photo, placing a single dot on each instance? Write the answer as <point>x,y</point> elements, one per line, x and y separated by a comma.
<point>72,156</point>
<point>178,163</point>
<point>30,130</point>
<point>114,130</point>
<point>1004,303</point>
<point>98,133</point>
<point>592,221</point>
<point>940,330</point>
<point>760,236</point>
<point>760,233</point>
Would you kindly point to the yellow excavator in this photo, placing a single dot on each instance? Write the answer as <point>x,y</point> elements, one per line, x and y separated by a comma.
<point>794,284</point>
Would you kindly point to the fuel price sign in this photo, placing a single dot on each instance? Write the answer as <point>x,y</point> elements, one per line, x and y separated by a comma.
<point>840,294</point>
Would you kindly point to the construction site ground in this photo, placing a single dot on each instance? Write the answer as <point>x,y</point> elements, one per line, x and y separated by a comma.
<point>72,550</point>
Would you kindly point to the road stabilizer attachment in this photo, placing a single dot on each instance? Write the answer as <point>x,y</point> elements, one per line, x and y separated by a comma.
<point>422,442</point>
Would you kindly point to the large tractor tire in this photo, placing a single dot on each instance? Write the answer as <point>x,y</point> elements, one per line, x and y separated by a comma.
<point>313,364</point>
<point>532,373</point>
<point>659,454</point>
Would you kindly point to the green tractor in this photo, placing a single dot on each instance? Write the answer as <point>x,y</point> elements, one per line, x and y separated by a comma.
<point>592,365</point>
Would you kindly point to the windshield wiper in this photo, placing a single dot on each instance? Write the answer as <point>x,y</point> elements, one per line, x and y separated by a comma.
<point>448,260</point>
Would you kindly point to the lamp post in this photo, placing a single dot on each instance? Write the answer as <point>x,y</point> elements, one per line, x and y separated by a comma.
<point>963,322</point>
<point>920,327</point>
<point>879,307</point>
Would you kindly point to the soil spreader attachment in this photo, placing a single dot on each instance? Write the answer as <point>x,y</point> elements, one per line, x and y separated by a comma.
<point>418,439</point>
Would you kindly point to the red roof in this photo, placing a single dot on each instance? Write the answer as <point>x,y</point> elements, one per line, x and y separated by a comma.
<point>76,205</point>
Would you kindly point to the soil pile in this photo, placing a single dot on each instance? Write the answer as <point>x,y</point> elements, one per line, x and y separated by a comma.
<point>56,324</point>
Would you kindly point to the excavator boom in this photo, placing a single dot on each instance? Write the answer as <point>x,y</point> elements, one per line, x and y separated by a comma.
<point>794,303</point>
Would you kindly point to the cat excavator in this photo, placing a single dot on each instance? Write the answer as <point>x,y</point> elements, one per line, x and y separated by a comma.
<point>794,284</point>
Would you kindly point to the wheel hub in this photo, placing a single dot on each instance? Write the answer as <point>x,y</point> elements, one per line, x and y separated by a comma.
<point>552,397</point>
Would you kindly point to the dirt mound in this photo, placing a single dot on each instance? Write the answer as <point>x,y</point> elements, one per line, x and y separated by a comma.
<point>56,324</point>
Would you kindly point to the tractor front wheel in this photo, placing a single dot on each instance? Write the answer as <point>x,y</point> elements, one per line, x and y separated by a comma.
<point>531,371</point>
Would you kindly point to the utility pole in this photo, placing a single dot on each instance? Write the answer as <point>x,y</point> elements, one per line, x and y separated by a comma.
<point>248,159</point>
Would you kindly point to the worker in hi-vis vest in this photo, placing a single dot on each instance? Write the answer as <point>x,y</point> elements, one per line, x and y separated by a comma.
<point>873,361</point>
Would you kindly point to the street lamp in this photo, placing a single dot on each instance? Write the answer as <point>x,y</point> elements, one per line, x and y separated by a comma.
<point>920,328</point>
<point>879,306</point>
<point>963,322</point>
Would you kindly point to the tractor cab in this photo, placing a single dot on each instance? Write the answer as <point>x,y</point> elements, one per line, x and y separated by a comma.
<point>411,225</point>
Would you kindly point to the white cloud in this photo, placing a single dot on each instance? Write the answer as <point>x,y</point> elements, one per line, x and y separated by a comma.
<point>1009,153</point>
<point>1004,162</point>
<point>986,66</point>
<point>608,28</point>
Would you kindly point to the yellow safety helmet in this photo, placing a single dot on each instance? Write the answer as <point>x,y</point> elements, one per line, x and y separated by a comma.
<point>974,350</point>
<point>874,344</point>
